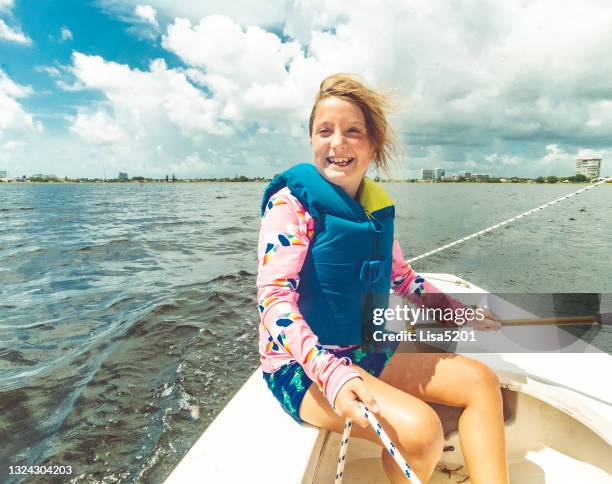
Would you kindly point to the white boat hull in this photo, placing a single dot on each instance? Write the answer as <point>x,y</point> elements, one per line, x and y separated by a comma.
<point>559,428</point>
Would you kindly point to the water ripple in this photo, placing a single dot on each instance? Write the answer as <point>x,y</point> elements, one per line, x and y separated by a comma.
<point>128,313</point>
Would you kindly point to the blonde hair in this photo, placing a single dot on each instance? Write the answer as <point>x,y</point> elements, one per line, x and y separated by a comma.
<point>373,104</point>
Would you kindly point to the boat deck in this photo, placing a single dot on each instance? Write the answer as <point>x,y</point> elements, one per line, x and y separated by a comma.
<point>542,449</point>
<point>559,426</point>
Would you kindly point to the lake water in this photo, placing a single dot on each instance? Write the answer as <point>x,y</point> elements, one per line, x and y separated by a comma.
<point>123,308</point>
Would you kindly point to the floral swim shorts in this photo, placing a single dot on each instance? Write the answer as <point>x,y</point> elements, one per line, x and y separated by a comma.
<point>289,383</point>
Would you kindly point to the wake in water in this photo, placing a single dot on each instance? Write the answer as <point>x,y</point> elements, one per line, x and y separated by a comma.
<point>132,403</point>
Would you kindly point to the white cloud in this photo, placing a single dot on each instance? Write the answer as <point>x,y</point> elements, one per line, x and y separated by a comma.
<point>270,12</point>
<point>148,118</point>
<point>13,34</point>
<point>11,145</point>
<point>493,86</point>
<point>98,127</point>
<point>50,70</point>
<point>565,158</point>
<point>70,87</point>
<point>503,158</point>
<point>13,117</point>
<point>550,159</point>
<point>194,163</point>
<point>147,14</point>
<point>224,47</point>
<point>556,154</point>
<point>17,126</point>
<point>553,155</point>
<point>11,88</point>
<point>6,4</point>
<point>462,77</point>
<point>140,97</point>
<point>250,71</point>
<point>65,34</point>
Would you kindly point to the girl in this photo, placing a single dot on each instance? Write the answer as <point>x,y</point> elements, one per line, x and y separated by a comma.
<point>327,258</point>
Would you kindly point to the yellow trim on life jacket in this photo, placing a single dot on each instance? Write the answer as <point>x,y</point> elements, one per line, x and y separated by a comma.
<point>372,196</point>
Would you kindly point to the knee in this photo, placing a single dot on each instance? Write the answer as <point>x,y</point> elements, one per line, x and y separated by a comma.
<point>485,382</point>
<point>486,378</point>
<point>422,434</point>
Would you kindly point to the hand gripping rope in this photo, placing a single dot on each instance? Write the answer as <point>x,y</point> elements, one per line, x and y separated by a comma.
<point>382,435</point>
<point>391,448</point>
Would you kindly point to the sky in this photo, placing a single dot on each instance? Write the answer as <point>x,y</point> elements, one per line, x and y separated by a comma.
<point>213,89</point>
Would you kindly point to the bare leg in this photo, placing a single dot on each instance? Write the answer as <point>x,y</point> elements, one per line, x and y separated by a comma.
<point>410,422</point>
<point>459,382</point>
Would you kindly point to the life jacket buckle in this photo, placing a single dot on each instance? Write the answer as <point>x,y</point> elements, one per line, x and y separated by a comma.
<point>372,270</point>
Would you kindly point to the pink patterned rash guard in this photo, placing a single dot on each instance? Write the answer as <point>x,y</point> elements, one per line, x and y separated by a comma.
<point>284,336</point>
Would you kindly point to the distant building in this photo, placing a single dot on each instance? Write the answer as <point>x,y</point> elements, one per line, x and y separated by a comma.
<point>426,174</point>
<point>481,176</point>
<point>123,175</point>
<point>589,167</point>
<point>2,173</point>
<point>438,173</point>
<point>465,174</point>
<point>44,177</point>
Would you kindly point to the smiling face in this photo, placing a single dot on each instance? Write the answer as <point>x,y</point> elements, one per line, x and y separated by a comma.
<point>341,148</point>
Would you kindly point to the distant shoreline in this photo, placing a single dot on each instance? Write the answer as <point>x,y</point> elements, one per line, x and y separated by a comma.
<point>159,182</point>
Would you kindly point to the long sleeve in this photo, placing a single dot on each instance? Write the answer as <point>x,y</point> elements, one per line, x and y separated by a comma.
<point>407,283</point>
<point>285,235</point>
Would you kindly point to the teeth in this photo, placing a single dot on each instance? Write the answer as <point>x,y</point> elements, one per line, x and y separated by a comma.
<point>340,161</point>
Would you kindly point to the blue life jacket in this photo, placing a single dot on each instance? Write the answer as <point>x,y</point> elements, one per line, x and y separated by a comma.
<point>347,271</point>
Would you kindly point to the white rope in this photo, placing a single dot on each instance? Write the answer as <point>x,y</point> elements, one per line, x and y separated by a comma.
<point>456,281</point>
<point>387,442</point>
<point>343,447</point>
<point>505,222</point>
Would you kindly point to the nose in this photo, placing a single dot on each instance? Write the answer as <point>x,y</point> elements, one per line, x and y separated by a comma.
<point>337,140</point>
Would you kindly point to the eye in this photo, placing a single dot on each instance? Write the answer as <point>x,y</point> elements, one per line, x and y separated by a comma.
<point>324,131</point>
